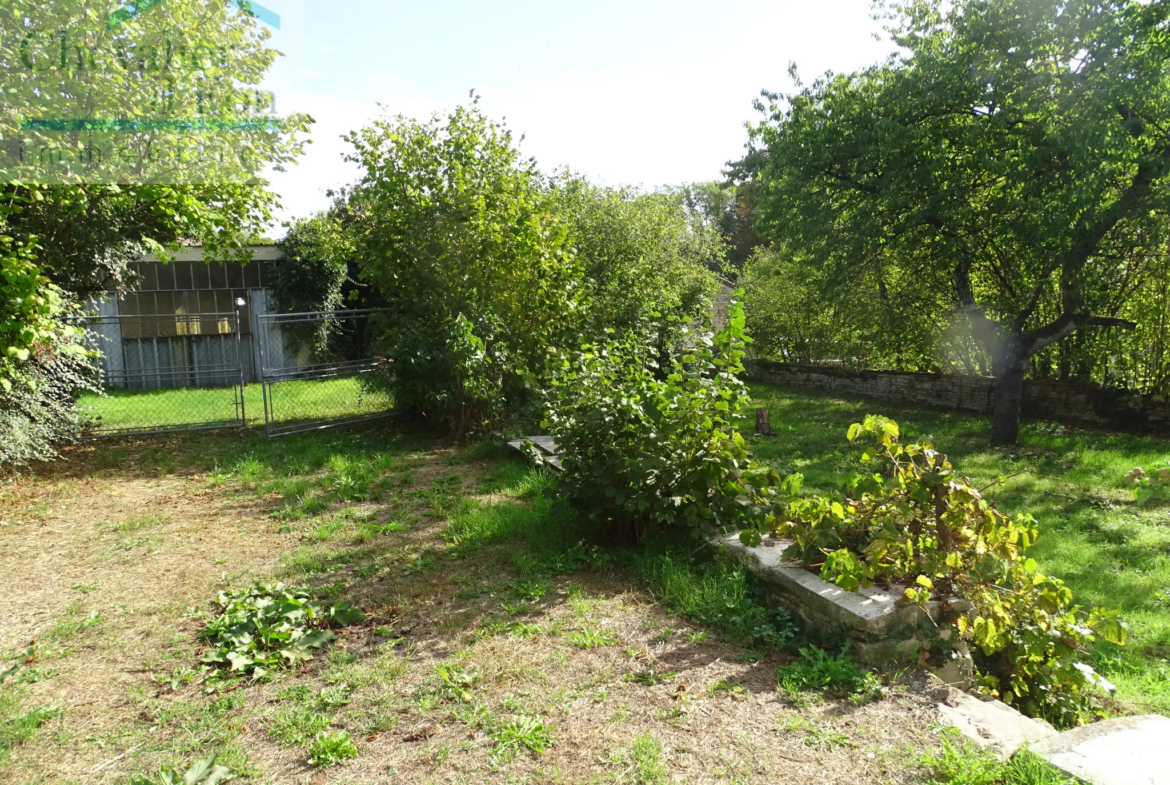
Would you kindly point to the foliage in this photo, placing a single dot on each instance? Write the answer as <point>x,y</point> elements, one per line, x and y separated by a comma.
<point>460,238</point>
<point>331,748</point>
<point>202,772</point>
<point>310,276</point>
<point>269,626</point>
<point>644,257</point>
<point>794,313</point>
<point>818,670</point>
<point>1150,486</point>
<point>42,359</point>
<point>644,446</point>
<point>929,168</point>
<point>959,762</point>
<point>722,595</point>
<point>910,519</point>
<point>201,117</point>
<point>520,733</point>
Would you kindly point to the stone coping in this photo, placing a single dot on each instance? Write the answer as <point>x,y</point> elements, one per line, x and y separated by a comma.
<point>1121,751</point>
<point>873,611</point>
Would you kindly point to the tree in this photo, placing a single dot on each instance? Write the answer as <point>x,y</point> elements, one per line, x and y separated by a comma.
<point>89,233</point>
<point>123,130</point>
<point>641,254</point>
<point>1013,154</point>
<point>459,235</point>
<point>127,129</point>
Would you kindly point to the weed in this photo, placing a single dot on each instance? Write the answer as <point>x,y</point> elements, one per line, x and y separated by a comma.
<point>202,772</point>
<point>820,671</point>
<point>17,726</point>
<point>456,681</point>
<point>959,762</point>
<point>330,749</point>
<point>269,626</point>
<point>421,565</point>
<point>819,736</point>
<point>726,686</point>
<point>292,726</point>
<point>72,624</point>
<point>591,638</point>
<point>643,761</point>
<point>651,677</point>
<point>528,590</point>
<point>520,733</point>
<point>523,629</point>
<point>333,697</point>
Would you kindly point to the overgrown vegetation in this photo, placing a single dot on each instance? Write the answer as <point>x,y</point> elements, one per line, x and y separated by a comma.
<point>270,626</point>
<point>1109,551</point>
<point>901,200</point>
<point>651,443</point>
<point>960,762</point>
<point>908,518</point>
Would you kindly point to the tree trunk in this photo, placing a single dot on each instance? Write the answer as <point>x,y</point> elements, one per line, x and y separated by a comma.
<point>1009,367</point>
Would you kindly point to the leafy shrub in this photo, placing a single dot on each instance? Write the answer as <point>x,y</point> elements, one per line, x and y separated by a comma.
<point>331,748</point>
<point>644,257</point>
<point>203,772</point>
<point>43,360</point>
<point>269,626</point>
<point>818,670</point>
<point>1149,486</point>
<point>912,520</point>
<point>644,446</point>
<point>461,239</point>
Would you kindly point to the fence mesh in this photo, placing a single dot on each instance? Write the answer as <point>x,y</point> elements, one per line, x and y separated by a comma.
<point>320,370</point>
<point>165,372</point>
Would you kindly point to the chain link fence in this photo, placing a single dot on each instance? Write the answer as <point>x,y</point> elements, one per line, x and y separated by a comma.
<point>165,372</point>
<point>319,370</point>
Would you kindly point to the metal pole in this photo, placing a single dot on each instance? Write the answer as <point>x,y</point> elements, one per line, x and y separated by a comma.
<point>240,373</point>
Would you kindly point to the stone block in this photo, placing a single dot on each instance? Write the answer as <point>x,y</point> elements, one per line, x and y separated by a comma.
<point>873,612</point>
<point>879,654</point>
<point>992,724</point>
<point>1122,751</point>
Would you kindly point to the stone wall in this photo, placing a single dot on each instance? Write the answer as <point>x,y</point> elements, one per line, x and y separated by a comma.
<point>1080,404</point>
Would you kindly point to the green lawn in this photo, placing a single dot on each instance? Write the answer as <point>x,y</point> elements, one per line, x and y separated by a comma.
<point>1093,536</point>
<point>297,401</point>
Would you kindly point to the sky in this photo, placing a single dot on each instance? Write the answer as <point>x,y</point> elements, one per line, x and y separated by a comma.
<point>640,92</point>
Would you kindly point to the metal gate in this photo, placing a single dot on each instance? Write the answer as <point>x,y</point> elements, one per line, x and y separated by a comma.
<point>164,373</point>
<point>319,370</point>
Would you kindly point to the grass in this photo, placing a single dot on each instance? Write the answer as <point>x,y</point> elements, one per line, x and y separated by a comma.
<point>958,762</point>
<point>492,617</point>
<point>291,402</point>
<point>1109,551</point>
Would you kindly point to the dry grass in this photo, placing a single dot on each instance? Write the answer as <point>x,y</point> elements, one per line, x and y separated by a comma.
<point>102,566</point>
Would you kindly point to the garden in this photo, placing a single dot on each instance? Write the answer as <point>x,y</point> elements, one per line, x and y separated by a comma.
<point>496,639</point>
<point>415,600</point>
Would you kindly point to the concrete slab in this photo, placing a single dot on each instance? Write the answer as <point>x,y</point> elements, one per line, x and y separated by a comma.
<point>1122,751</point>
<point>871,611</point>
<point>545,444</point>
<point>992,724</point>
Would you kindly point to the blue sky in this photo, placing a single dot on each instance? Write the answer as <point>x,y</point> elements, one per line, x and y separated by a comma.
<point>635,92</point>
